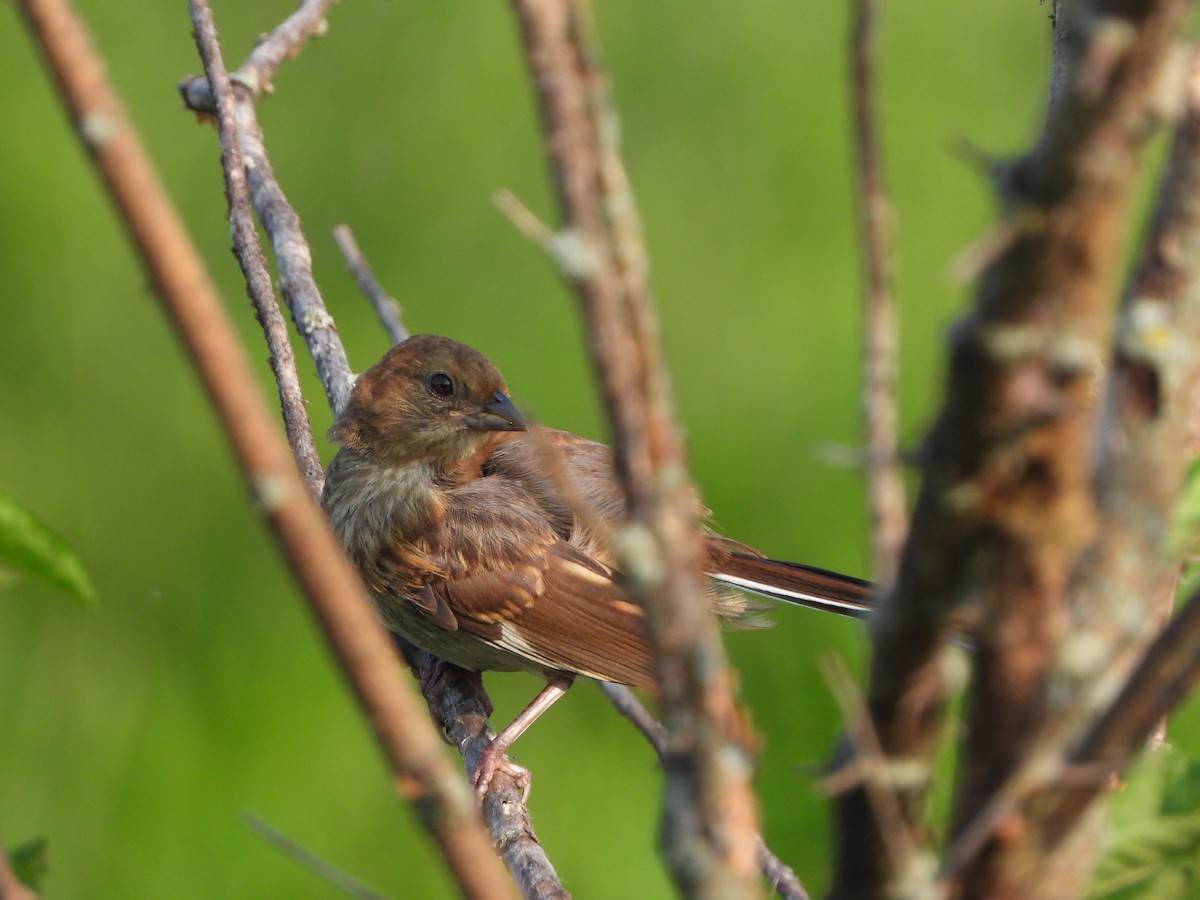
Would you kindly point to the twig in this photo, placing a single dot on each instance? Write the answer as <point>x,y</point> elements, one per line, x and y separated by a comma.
<point>1169,669</point>
<point>292,255</point>
<point>624,702</point>
<point>1066,786</point>
<point>413,749</point>
<point>885,482</point>
<point>709,815</point>
<point>327,872</point>
<point>1005,505</point>
<point>780,875</point>
<point>867,766</point>
<point>258,71</point>
<point>385,305</point>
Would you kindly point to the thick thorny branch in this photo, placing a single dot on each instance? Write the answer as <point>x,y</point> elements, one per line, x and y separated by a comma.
<point>1006,508</point>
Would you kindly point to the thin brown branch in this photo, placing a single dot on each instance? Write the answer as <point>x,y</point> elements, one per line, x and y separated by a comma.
<point>461,692</point>
<point>384,304</point>
<point>1005,507</point>
<point>412,747</point>
<point>885,482</point>
<point>867,766</point>
<point>628,705</point>
<point>710,813</point>
<point>780,876</point>
<point>342,881</point>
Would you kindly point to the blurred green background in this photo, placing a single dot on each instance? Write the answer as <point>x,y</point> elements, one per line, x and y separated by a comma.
<point>133,736</point>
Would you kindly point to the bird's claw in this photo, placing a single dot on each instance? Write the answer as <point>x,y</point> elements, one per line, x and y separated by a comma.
<point>493,760</point>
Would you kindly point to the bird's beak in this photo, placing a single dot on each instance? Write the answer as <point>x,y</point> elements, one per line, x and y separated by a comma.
<point>499,414</point>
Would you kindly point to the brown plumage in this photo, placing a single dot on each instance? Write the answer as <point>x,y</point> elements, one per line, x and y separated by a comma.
<point>442,497</point>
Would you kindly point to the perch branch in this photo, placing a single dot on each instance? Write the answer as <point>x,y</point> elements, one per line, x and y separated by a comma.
<point>464,709</point>
<point>710,814</point>
<point>1005,506</point>
<point>779,874</point>
<point>885,482</point>
<point>506,815</point>
<point>191,302</point>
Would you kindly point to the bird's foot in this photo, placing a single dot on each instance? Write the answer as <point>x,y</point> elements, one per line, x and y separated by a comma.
<point>493,760</point>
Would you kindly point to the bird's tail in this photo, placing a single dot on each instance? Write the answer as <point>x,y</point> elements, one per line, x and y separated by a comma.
<point>796,583</point>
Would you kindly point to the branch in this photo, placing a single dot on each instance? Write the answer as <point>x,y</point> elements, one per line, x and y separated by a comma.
<point>709,818</point>
<point>253,263</point>
<point>385,306</point>
<point>463,705</point>
<point>1124,589</point>
<point>885,483</point>
<point>1005,507</point>
<point>1164,677</point>
<point>257,73</point>
<point>336,596</point>
<point>779,875</point>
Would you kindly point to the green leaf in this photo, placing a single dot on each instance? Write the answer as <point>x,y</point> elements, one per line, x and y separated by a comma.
<point>1154,846</point>
<point>28,546</point>
<point>30,863</point>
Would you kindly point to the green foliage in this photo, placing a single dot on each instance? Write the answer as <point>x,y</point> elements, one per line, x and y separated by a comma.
<point>28,546</point>
<point>30,862</point>
<point>1154,848</point>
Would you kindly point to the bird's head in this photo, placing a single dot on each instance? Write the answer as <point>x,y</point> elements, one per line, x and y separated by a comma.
<point>431,399</point>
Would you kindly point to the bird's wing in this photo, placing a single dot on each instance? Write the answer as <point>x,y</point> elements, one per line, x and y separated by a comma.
<point>497,564</point>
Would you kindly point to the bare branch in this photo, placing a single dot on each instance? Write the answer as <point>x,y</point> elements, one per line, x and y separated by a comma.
<point>710,812</point>
<point>1165,675</point>
<point>258,71</point>
<point>292,255</point>
<point>885,482</point>
<point>327,872</point>
<point>1006,504</point>
<point>384,304</point>
<point>779,875</point>
<point>422,772</point>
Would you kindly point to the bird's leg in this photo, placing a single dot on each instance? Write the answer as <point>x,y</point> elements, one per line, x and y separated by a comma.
<point>490,759</point>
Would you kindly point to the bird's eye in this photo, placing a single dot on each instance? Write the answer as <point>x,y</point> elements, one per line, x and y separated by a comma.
<point>441,384</point>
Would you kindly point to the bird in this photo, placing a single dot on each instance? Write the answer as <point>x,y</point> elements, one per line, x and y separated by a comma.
<point>481,536</point>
